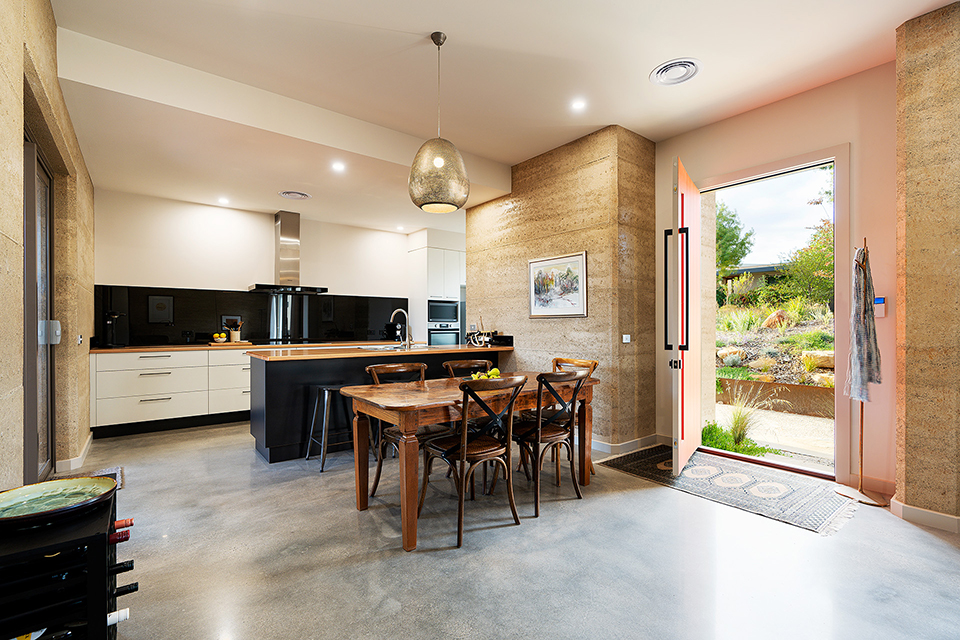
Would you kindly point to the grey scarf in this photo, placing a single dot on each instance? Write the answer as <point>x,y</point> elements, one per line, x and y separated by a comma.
<point>864,353</point>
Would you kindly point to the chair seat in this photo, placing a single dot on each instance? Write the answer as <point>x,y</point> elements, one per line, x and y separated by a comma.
<point>524,431</point>
<point>480,447</point>
<point>423,431</point>
<point>530,415</point>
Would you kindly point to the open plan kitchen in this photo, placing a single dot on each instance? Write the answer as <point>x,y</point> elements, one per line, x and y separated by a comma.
<point>373,320</point>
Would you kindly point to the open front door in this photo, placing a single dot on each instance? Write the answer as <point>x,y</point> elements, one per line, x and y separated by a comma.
<point>682,323</point>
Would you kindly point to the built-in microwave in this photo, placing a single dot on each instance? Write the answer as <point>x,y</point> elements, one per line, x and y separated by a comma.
<point>443,311</point>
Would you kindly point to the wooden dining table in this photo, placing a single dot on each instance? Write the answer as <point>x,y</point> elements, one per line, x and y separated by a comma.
<point>412,404</point>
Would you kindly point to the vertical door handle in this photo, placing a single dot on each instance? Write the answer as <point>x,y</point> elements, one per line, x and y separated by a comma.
<point>666,289</point>
<point>685,231</point>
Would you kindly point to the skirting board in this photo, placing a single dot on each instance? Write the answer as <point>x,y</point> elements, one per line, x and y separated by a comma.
<point>623,447</point>
<point>927,518</point>
<point>71,464</point>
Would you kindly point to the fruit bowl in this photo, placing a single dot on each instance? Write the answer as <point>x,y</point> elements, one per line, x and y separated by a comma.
<point>219,339</point>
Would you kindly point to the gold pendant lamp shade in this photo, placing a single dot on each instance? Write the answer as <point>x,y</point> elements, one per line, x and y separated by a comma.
<point>438,178</point>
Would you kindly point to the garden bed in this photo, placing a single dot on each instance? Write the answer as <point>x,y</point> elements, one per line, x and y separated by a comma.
<point>801,399</point>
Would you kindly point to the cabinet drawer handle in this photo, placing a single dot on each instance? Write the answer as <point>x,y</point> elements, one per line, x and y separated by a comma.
<point>245,369</point>
<point>245,391</point>
<point>155,399</point>
<point>157,373</point>
<point>164,355</point>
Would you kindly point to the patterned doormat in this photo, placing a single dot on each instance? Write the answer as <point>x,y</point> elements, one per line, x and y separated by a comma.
<point>809,503</point>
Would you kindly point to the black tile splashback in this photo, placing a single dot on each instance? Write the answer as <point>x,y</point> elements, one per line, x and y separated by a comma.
<point>197,316</point>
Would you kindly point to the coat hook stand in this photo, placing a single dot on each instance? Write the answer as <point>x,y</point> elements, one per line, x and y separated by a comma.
<point>870,498</point>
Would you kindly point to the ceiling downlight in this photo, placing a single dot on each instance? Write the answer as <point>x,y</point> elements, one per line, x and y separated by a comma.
<point>676,71</point>
<point>295,195</point>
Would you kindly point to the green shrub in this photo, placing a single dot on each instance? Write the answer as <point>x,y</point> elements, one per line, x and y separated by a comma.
<point>809,341</point>
<point>721,344</point>
<point>732,360</point>
<point>798,309</point>
<point>739,320</point>
<point>719,438</point>
<point>721,295</point>
<point>771,352</point>
<point>742,291</point>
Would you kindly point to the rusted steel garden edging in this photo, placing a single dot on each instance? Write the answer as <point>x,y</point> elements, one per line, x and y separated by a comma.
<point>801,399</point>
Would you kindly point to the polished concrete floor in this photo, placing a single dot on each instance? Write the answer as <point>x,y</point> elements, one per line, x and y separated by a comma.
<point>228,547</point>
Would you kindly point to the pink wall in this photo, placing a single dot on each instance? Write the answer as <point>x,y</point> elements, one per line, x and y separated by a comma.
<point>859,110</point>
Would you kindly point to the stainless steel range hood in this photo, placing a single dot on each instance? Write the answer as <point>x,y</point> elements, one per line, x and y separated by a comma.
<point>287,267</point>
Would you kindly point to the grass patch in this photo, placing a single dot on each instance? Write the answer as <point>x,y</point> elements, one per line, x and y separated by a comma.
<point>736,373</point>
<point>809,341</point>
<point>719,438</point>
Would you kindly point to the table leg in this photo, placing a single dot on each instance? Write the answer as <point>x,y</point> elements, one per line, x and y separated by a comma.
<point>409,461</point>
<point>585,435</point>
<point>361,454</point>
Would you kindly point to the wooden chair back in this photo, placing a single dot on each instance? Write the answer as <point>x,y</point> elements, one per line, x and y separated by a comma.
<point>573,364</point>
<point>551,407</point>
<point>498,424</point>
<point>411,371</point>
<point>461,368</point>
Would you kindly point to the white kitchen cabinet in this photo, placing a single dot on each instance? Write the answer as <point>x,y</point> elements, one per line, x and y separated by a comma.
<point>451,274</point>
<point>158,385</point>
<point>118,384</point>
<point>435,273</point>
<point>229,381</point>
<point>152,407</point>
<point>444,273</point>
<point>224,400</point>
<point>151,360</point>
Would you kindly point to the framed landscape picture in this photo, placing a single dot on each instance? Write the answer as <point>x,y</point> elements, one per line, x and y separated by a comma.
<point>558,286</point>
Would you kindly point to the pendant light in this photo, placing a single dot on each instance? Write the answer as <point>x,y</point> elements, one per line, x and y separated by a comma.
<point>438,179</point>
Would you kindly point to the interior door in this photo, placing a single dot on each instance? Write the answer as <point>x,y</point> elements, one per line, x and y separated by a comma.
<point>682,310</point>
<point>40,332</point>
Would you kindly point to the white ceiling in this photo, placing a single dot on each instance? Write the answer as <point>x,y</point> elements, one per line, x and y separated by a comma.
<point>197,99</point>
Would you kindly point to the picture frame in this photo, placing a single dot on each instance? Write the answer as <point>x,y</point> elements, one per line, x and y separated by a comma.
<point>558,286</point>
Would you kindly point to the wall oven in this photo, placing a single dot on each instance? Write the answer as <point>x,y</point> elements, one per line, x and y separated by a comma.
<point>443,333</point>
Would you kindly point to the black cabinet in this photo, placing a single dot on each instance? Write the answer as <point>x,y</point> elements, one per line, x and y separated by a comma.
<point>61,575</point>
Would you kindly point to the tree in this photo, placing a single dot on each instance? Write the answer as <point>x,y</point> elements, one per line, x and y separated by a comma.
<point>733,244</point>
<point>809,271</point>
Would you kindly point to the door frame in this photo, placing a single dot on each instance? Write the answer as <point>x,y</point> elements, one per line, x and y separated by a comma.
<point>842,273</point>
<point>32,160</point>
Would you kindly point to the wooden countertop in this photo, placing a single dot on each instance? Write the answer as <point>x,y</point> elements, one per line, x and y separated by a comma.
<point>229,345</point>
<point>338,351</point>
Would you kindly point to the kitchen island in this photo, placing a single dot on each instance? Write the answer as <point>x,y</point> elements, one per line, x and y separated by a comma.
<point>281,381</point>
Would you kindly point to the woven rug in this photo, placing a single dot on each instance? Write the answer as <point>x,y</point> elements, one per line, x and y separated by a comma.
<point>809,503</point>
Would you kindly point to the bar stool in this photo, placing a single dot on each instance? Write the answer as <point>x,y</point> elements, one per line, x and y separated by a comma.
<point>322,394</point>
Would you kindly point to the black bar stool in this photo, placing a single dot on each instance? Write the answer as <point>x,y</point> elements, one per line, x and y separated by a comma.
<point>321,393</point>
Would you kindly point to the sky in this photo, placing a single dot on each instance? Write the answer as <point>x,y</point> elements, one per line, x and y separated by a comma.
<point>777,211</point>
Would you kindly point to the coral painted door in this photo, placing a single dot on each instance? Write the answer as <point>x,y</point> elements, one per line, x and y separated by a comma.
<point>682,291</point>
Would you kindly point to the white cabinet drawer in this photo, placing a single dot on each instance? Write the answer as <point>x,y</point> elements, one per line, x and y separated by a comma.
<point>150,360</point>
<point>228,356</point>
<point>117,384</point>
<point>223,400</point>
<point>230,376</point>
<point>155,407</point>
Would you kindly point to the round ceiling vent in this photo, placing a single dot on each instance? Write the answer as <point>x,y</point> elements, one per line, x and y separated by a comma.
<point>675,71</point>
<point>295,195</point>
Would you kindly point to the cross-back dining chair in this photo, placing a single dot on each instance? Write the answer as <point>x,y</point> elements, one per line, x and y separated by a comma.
<point>552,427</point>
<point>390,435</point>
<point>470,448</point>
<point>463,368</point>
